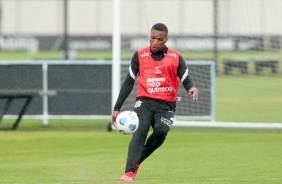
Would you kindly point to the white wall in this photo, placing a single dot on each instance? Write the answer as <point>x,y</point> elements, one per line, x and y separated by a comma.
<point>94,17</point>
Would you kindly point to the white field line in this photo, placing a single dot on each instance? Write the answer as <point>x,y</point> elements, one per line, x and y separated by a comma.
<point>228,124</point>
<point>183,123</point>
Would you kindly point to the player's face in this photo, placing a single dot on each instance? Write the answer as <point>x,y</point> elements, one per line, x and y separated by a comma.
<point>158,40</point>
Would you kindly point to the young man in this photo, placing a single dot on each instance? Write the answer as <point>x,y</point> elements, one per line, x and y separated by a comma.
<point>158,70</point>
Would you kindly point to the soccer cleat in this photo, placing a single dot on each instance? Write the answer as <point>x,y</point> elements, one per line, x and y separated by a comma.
<point>127,177</point>
<point>136,170</point>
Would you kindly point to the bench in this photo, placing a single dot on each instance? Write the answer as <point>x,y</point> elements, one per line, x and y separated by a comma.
<point>260,64</point>
<point>28,95</point>
<point>229,64</point>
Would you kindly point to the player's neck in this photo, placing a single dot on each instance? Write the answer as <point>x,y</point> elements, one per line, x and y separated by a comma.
<point>160,52</point>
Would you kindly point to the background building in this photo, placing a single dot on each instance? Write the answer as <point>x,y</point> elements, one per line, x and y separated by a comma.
<point>188,17</point>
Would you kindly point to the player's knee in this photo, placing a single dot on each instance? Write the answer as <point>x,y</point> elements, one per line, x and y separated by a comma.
<point>161,131</point>
<point>160,136</point>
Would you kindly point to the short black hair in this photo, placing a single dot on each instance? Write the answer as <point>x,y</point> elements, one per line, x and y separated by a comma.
<point>160,27</point>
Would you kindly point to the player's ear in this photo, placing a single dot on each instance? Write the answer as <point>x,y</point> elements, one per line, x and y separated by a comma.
<point>166,39</point>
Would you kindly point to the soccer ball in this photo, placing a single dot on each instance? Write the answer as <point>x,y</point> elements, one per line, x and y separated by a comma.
<point>127,122</point>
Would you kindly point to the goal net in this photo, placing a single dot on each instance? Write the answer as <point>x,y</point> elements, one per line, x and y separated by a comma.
<point>203,73</point>
<point>136,29</point>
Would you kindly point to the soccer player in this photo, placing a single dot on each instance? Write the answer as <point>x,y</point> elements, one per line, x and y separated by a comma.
<point>158,70</point>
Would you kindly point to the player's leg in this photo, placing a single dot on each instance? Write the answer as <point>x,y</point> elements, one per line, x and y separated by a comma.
<point>163,122</point>
<point>138,139</point>
<point>137,142</point>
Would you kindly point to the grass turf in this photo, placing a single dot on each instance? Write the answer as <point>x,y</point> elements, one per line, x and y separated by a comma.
<point>249,98</point>
<point>83,152</point>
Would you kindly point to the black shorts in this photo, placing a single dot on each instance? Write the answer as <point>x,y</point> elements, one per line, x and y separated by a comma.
<point>156,113</point>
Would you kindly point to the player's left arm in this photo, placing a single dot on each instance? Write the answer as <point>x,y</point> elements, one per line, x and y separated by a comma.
<point>185,78</point>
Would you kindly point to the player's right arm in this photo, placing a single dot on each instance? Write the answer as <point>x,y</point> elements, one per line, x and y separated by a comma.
<point>127,85</point>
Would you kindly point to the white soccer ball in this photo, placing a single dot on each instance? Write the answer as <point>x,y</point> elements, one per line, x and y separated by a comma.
<point>127,122</point>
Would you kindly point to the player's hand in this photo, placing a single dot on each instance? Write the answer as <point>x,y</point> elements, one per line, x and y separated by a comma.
<point>194,92</point>
<point>114,117</point>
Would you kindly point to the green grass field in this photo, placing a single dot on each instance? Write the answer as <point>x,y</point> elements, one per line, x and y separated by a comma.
<point>249,98</point>
<point>83,152</point>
